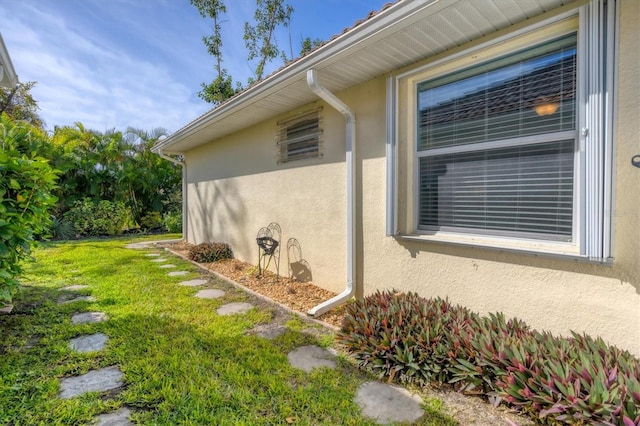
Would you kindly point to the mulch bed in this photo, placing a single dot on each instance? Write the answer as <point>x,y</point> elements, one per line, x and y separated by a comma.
<point>299,296</point>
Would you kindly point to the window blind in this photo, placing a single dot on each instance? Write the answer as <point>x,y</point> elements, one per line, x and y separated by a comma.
<point>527,189</point>
<point>493,150</point>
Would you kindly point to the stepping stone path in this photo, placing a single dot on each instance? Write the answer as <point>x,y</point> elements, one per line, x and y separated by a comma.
<point>309,357</point>
<point>75,287</point>
<point>386,403</point>
<point>193,283</point>
<point>63,300</point>
<point>89,343</point>
<point>117,418</point>
<point>381,402</point>
<point>234,308</point>
<point>159,260</point>
<point>88,317</point>
<point>101,380</point>
<point>210,293</point>
<point>168,265</point>
<point>94,381</point>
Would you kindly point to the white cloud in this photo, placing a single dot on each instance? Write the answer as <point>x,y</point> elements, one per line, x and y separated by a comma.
<point>81,79</point>
<point>118,63</point>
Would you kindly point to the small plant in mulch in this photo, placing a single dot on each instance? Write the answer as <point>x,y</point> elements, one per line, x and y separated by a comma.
<point>576,380</point>
<point>210,252</point>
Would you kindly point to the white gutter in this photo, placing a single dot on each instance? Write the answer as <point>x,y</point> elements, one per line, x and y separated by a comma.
<point>184,188</point>
<point>350,119</point>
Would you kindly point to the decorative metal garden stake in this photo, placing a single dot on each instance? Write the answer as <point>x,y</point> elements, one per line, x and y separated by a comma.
<point>269,247</point>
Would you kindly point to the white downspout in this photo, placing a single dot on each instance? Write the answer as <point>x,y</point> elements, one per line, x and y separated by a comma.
<point>184,190</point>
<point>350,119</point>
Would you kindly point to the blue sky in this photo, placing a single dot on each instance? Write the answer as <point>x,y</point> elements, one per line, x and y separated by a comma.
<point>119,63</point>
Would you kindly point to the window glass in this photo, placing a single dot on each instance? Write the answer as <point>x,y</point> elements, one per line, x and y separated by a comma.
<point>479,167</point>
<point>529,93</point>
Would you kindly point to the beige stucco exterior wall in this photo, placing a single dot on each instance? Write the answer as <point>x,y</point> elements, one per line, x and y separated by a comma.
<point>235,187</point>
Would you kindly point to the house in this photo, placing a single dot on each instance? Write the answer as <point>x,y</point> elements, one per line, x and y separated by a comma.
<point>482,151</point>
<point>8,76</point>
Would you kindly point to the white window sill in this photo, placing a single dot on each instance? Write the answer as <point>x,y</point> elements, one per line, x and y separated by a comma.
<point>558,250</point>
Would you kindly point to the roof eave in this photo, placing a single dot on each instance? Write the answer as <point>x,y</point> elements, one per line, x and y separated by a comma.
<point>338,45</point>
<point>8,76</point>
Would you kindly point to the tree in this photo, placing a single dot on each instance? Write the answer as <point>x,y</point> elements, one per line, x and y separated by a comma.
<point>148,183</point>
<point>260,39</point>
<point>19,105</point>
<point>221,87</point>
<point>26,184</point>
<point>307,45</point>
<point>114,166</point>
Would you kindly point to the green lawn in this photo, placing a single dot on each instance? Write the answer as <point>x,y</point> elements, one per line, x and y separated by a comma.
<point>182,363</point>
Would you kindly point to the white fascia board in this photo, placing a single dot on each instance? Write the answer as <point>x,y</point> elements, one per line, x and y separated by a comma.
<point>333,51</point>
<point>8,78</point>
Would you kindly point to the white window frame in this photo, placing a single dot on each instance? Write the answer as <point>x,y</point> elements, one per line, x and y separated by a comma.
<point>592,224</point>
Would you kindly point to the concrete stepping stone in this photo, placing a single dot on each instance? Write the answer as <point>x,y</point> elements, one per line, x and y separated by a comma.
<point>94,381</point>
<point>177,273</point>
<point>65,299</point>
<point>117,418</point>
<point>167,266</point>
<point>210,293</point>
<point>159,260</point>
<point>139,246</point>
<point>387,403</point>
<point>75,287</point>
<point>88,317</point>
<point>193,283</point>
<point>234,308</point>
<point>309,357</point>
<point>89,343</point>
<point>152,254</point>
<point>269,331</point>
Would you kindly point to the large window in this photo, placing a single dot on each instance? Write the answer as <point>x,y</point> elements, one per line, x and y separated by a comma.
<point>496,145</point>
<point>509,144</point>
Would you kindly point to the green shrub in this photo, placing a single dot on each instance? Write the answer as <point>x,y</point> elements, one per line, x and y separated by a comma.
<point>172,222</point>
<point>578,380</point>
<point>152,220</point>
<point>91,218</point>
<point>26,183</point>
<point>400,336</point>
<point>210,252</point>
<point>61,228</point>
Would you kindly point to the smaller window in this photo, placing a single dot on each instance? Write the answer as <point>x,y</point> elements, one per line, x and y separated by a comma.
<point>299,138</point>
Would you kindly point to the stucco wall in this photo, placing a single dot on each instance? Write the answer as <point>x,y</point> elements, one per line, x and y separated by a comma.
<point>236,187</point>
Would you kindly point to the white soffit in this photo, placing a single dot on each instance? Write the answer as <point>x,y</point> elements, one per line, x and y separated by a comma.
<point>403,34</point>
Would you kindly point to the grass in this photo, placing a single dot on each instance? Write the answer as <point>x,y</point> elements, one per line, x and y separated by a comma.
<point>182,363</point>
